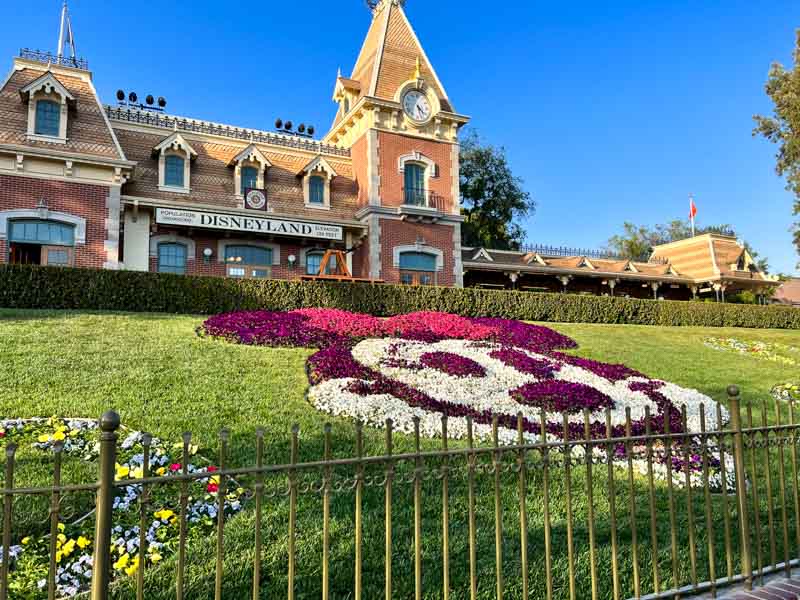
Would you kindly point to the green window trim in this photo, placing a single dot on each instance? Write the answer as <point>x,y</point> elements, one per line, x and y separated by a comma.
<point>242,254</point>
<point>172,258</point>
<point>417,261</point>
<point>48,118</point>
<point>174,170</point>
<point>316,190</point>
<point>38,231</point>
<point>249,178</point>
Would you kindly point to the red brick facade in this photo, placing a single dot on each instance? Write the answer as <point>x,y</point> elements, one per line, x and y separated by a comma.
<point>81,200</point>
<point>399,233</point>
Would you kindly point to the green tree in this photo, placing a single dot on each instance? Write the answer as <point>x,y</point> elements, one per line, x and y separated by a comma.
<point>783,127</point>
<point>492,198</point>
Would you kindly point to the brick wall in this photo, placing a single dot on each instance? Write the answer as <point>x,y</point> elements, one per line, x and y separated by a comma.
<point>393,146</point>
<point>79,199</point>
<point>359,154</point>
<point>401,233</point>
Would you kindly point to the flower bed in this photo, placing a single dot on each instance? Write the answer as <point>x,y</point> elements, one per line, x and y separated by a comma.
<point>778,353</point>
<point>74,545</point>
<point>427,364</point>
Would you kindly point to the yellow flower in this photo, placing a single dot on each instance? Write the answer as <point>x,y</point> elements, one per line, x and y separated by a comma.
<point>61,538</point>
<point>68,547</point>
<point>137,473</point>
<point>58,436</point>
<point>161,470</point>
<point>59,554</point>
<point>122,562</point>
<point>26,540</point>
<point>61,527</point>
<point>134,566</point>
<point>155,557</point>
<point>164,514</point>
<point>214,479</point>
<point>44,438</point>
<point>122,471</point>
<point>83,542</point>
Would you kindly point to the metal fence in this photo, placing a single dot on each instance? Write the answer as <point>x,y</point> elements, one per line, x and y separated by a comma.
<point>578,514</point>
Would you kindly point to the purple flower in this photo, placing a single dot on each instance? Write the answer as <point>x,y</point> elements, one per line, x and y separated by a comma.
<point>541,369</point>
<point>452,364</point>
<point>561,396</point>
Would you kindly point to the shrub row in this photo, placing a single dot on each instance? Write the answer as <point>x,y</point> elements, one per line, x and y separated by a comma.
<point>87,289</point>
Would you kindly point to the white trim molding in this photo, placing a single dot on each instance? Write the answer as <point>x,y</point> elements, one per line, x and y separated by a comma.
<point>224,243</point>
<point>47,88</point>
<point>46,215</point>
<point>177,145</point>
<point>249,157</point>
<point>318,167</point>
<point>419,158</point>
<point>171,238</point>
<point>418,247</point>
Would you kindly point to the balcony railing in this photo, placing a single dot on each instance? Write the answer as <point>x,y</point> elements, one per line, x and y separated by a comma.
<point>424,198</point>
<point>50,58</point>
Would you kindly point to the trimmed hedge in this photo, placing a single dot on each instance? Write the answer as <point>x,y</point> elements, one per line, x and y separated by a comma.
<point>90,289</point>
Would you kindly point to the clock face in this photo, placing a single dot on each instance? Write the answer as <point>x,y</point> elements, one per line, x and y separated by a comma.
<point>416,106</point>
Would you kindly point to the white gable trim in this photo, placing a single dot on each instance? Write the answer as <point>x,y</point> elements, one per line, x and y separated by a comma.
<point>537,258</point>
<point>175,142</point>
<point>585,262</point>
<point>482,253</point>
<point>252,154</point>
<point>47,83</point>
<point>319,164</point>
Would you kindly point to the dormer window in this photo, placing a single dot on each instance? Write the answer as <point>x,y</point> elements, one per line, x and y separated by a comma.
<point>174,164</point>
<point>249,178</point>
<point>173,170</point>
<point>48,118</point>
<point>249,170</point>
<point>317,176</point>
<point>48,107</point>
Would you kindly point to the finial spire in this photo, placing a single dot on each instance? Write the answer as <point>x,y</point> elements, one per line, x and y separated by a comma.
<point>417,70</point>
<point>66,27</point>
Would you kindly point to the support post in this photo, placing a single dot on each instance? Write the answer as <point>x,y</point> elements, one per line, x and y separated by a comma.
<point>101,568</point>
<point>741,485</point>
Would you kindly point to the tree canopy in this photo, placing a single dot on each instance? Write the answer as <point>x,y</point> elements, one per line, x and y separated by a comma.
<point>783,127</point>
<point>492,197</point>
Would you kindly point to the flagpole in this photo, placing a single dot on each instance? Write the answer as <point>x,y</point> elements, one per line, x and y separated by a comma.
<point>60,52</point>
<point>691,212</point>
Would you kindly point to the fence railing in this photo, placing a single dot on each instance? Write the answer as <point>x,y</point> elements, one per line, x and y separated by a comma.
<point>641,511</point>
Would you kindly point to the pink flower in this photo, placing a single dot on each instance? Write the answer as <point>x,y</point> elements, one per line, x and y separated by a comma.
<point>212,488</point>
<point>175,467</point>
<point>211,469</point>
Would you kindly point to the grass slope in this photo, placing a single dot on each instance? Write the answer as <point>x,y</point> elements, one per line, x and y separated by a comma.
<point>162,378</point>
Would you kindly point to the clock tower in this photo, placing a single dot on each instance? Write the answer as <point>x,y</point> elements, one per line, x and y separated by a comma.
<point>402,131</point>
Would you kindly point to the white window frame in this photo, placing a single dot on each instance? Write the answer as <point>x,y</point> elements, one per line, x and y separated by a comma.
<point>249,157</point>
<point>168,238</point>
<point>429,170</point>
<point>398,250</point>
<point>175,144</point>
<point>275,248</point>
<point>47,88</point>
<point>320,167</point>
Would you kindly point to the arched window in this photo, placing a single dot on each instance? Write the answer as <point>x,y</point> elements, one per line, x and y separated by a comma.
<point>172,258</point>
<point>248,255</point>
<point>48,118</point>
<point>173,170</point>
<point>33,231</point>
<point>316,190</point>
<point>249,178</point>
<point>417,268</point>
<point>414,184</point>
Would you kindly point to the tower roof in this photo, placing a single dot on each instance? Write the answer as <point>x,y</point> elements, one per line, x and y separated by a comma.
<point>389,56</point>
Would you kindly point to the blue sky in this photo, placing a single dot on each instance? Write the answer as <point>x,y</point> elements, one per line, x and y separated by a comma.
<point>608,111</point>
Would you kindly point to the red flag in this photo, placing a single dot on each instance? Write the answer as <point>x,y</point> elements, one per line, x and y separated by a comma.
<point>692,209</point>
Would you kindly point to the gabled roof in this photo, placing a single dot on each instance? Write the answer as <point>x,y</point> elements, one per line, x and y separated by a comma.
<point>174,141</point>
<point>318,163</point>
<point>48,82</point>
<point>250,153</point>
<point>389,56</point>
<point>482,254</point>
<point>788,293</point>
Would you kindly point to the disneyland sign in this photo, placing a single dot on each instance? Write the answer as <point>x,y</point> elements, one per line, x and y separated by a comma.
<point>229,222</point>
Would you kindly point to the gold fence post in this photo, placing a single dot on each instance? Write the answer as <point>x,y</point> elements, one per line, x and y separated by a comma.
<point>101,566</point>
<point>741,487</point>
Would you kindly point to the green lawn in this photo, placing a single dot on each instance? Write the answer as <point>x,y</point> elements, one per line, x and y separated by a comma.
<point>162,378</point>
